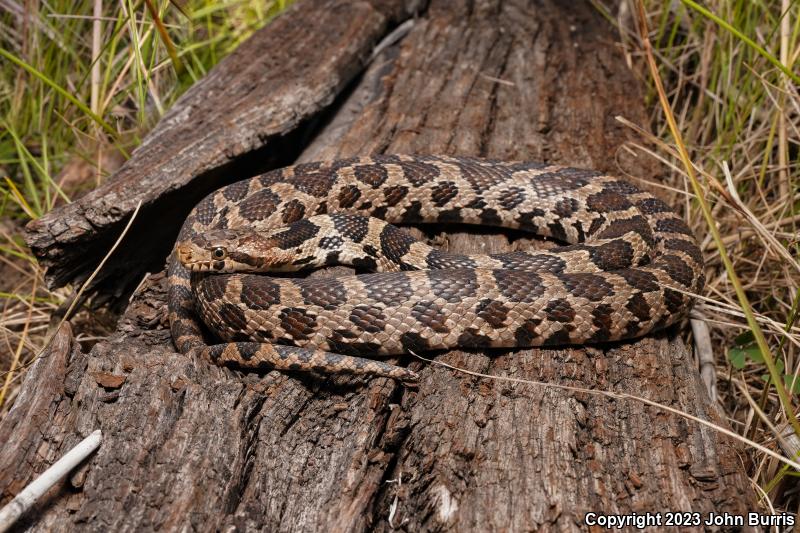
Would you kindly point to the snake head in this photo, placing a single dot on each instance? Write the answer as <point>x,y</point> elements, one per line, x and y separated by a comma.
<point>225,251</point>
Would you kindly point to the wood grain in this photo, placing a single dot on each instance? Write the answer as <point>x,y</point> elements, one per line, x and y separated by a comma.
<point>249,114</point>
<point>193,446</point>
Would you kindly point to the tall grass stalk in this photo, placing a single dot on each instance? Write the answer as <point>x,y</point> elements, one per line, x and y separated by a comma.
<point>81,82</point>
<point>725,125</point>
<point>700,196</point>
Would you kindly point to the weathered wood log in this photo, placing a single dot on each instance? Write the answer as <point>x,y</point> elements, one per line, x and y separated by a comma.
<point>246,116</point>
<point>188,445</point>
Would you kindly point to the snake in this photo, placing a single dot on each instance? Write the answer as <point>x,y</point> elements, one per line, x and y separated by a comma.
<point>628,265</point>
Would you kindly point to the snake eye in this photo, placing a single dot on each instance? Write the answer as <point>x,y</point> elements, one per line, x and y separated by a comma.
<point>219,253</point>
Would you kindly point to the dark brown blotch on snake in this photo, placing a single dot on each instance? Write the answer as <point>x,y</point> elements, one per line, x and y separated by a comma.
<point>607,288</point>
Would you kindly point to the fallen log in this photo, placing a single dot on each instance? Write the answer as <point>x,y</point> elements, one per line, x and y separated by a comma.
<point>187,445</point>
<point>248,115</point>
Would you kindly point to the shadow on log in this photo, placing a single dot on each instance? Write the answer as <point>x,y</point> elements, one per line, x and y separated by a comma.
<point>251,113</point>
<point>190,446</point>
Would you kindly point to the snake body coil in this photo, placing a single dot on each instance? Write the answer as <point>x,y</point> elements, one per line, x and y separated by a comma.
<point>629,269</point>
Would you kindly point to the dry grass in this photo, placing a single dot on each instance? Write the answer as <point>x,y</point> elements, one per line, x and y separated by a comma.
<point>80,84</point>
<point>724,74</point>
<point>728,80</point>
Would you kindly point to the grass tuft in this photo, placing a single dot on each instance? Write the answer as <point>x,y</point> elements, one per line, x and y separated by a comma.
<point>80,85</point>
<point>82,82</point>
<point>725,125</point>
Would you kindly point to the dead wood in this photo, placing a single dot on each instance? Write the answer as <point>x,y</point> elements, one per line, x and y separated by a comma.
<point>248,115</point>
<point>193,446</point>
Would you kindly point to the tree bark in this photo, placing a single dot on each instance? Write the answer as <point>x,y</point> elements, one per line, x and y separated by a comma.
<point>248,115</point>
<point>188,445</point>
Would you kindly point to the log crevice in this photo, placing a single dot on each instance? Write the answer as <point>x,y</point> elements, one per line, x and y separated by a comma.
<point>194,446</point>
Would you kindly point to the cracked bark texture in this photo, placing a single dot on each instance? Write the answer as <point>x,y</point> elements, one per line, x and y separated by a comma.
<point>237,121</point>
<point>193,447</point>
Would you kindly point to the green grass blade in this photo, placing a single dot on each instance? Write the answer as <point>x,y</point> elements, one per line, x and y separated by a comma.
<point>60,90</point>
<point>744,38</point>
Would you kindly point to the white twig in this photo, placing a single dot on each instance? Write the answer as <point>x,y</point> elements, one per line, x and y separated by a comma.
<point>25,499</point>
<point>395,36</point>
<point>393,505</point>
<point>705,356</point>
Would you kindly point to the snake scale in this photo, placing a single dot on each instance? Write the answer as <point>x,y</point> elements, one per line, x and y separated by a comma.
<point>630,266</point>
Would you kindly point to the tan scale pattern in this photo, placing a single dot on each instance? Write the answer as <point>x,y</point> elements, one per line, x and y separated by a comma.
<point>629,269</point>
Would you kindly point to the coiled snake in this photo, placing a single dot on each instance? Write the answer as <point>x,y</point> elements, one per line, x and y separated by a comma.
<point>630,269</point>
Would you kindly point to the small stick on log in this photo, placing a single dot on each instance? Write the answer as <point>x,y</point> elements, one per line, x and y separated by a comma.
<point>212,449</point>
<point>30,494</point>
<point>705,356</point>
